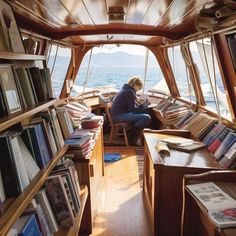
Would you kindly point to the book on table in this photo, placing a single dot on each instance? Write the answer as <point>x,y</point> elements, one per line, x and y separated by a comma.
<point>183,144</point>
<point>221,207</point>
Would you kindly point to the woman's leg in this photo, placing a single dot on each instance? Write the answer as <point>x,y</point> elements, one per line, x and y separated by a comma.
<point>138,120</point>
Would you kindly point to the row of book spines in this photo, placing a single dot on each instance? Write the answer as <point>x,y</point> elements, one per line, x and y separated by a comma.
<point>212,134</point>
<point>54,206</point>
<point>37,143</point>
<point>33,85</point>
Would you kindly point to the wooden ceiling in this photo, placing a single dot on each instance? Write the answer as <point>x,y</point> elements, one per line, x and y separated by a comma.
<point>87,21</point>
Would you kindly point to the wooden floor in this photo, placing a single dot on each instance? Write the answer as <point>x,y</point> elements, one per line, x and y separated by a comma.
<point>121,208</point>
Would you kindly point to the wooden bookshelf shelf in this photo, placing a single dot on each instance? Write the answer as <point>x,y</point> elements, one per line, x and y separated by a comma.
<point>18,206</point>
<point>74,230</point>
<point>17,117</point>
<point>21,56</point>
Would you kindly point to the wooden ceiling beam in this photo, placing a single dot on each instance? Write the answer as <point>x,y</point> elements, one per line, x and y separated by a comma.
<point>116,29</point>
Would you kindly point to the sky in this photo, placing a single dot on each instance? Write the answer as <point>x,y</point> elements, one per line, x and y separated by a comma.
<point>131,49</point>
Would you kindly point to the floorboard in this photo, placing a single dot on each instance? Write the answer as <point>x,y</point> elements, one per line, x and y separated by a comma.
<point>121,207</point>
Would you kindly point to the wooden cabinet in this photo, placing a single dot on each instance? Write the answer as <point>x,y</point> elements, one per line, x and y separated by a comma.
<point>90,174</point>
<point>163,176</point>
<point>195,221</point>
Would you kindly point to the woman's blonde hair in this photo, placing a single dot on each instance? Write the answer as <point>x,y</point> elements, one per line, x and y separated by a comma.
<point>135,81</point>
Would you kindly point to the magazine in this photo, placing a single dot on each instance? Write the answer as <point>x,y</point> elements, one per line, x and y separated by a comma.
<point>220,206</point>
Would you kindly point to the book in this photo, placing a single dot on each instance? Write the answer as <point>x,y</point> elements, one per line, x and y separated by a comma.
<point>42,200</point>
<point>221,208</point>
<point>65,122</point>
<point>216,143</point>
<point>30,164</point>
<point>27,225</point>
<point>41,152</point>
<point>59,200</point>
<point>213,133</point>
<point>10,178</point>
<point>57,128</point>
<point>38,83</point>
<point>229,157</point>
<point>183,144</point>
<point>26,86</point>
<point>225,145</point>
<point>36,209</point>
<point>20,164</point>
<point>2,192</point>
<point>162,148</point>
<point>10,29</point>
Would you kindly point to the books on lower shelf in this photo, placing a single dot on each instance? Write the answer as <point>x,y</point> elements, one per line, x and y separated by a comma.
<point>220,206</point>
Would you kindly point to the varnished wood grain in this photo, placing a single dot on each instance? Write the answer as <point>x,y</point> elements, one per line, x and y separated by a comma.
<point>17,117</point>
<point>20,56</point>
<point>21,202</point>
<point>121,209</point>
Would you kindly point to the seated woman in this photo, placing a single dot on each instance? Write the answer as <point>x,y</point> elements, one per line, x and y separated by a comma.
<point>125,108</point>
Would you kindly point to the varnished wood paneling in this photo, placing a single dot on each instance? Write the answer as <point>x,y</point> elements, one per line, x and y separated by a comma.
<point>121,208</point>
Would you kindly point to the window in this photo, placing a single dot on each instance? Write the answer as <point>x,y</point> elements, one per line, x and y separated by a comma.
<point>113,65</point>
<point>212,86</point>
<point>59,71</point>
<point>180,73</point>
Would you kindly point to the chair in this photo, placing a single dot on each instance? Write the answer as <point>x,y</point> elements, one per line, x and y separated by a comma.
<point>117,129</point>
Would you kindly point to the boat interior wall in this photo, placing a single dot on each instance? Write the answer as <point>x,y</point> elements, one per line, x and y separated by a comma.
<point>96,22</point>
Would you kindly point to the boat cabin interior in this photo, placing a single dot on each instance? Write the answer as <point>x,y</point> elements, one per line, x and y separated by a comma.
<point>67,168</point>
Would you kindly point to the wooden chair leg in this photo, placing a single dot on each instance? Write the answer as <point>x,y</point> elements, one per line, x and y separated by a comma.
<point>111,135</point>
<point>125,136</point>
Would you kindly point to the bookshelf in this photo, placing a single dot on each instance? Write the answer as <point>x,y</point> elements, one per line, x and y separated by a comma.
<point>74,230</point>
<point>19,204</point>
<point>15,118</point>
<point>195,220</point>
<point>163,180</point>
<point>34,95</point>
<point>21,56</point>
<point>90,172</point>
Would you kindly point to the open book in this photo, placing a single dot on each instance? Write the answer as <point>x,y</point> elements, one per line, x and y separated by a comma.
<point>220,206</point>
<point>183,144</point>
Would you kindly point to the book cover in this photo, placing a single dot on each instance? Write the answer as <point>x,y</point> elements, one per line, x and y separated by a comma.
<point>36,209</point>
<point>38,84</point>
<point>190,147</point>
<point>42,200</point>
<point>39,143</point>
<point>225,145</point>
<point>65,122</point>
<point>216,143</point>
<point>26,86</point>
<point>211,196</point>
<point>32,85</point>
<point>223,218</point>
<point>10,29</point>
<point>19,161</point>
<point>69,184</point>
<point>10,178</point>
<point>213,133</point>
<point>30,164</point>
<point>27,225</point>
<point>228,158</point>
<point>2,191</point>
<point>59,200</point>
<point>57,127</point>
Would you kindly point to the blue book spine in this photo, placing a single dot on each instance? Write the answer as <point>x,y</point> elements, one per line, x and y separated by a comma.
<point>31,228</point>
<point>41,150</point>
